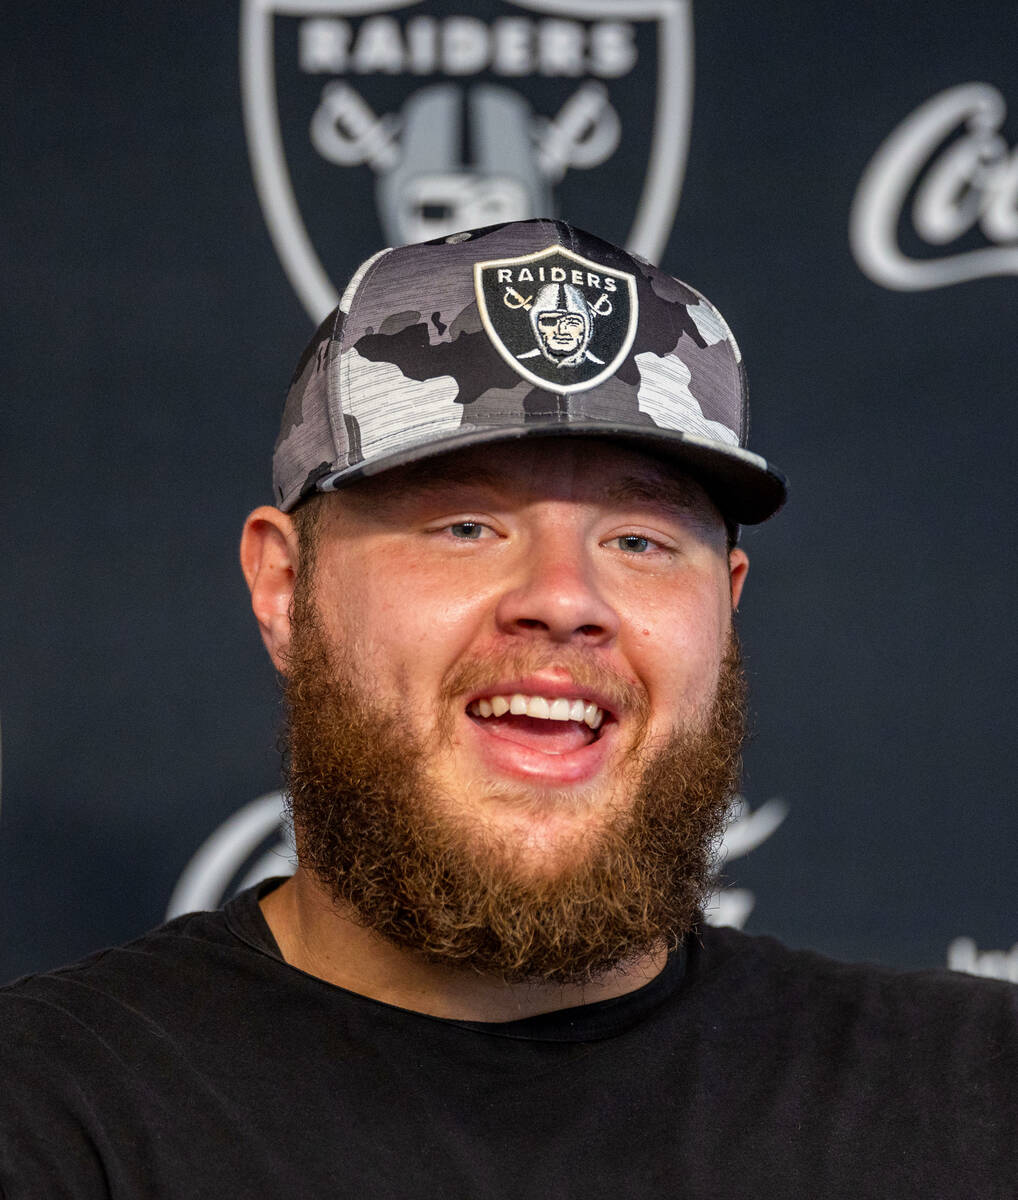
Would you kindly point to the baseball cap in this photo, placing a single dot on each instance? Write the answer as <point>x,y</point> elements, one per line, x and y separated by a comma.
<point>525,329</point>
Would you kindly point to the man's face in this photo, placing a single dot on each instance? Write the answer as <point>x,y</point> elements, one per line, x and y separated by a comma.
<point>563,332</point>
<point>525,644</point>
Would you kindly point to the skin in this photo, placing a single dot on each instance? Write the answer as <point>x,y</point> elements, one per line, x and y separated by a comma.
<point>559,550</point>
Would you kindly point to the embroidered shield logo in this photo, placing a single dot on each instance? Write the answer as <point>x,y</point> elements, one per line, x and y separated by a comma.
<point>383,122</point>
<point>562,321</point>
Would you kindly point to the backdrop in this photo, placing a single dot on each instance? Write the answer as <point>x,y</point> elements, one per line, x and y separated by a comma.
<point>185,194</point>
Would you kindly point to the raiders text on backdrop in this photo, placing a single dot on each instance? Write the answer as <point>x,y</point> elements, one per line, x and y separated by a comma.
<point>466,46</point>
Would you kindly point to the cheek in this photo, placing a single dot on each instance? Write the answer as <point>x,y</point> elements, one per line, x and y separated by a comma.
<point>401,625</point>
<point>677,645</point>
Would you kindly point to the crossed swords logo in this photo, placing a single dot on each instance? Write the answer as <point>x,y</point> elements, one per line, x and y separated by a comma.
<point>345,130</point>
<point>512,299</point>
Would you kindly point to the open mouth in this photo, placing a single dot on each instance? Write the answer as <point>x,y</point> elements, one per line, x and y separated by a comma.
<point>552,725</point>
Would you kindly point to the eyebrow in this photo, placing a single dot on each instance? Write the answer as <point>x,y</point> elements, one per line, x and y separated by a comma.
<point>673,492</point>
<point>424,477</point>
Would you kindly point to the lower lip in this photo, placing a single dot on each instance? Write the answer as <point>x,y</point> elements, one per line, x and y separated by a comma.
<point>522,762</point>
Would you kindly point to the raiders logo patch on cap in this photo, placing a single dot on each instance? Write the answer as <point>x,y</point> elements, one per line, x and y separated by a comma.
<point>562,321</point>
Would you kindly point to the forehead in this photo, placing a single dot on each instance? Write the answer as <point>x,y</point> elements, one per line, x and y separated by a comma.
<point>589,470</point>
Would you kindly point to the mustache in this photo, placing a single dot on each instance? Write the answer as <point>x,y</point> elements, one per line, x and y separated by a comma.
<point>586,672</point>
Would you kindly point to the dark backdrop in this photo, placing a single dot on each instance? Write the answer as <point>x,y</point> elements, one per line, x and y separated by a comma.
<point>150,328</point>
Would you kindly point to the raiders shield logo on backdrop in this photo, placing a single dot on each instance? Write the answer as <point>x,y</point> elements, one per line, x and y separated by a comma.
<point>375,122</point>
<point>560,320</point>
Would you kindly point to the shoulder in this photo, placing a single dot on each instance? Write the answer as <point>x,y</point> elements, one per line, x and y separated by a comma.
<point>108,1044</point>
<point>142,981</point>
<point>776,969</point>
<point>869,1073</point>
<point>944,1019</point>
<point>773,970</point>
<point>88,1036</point>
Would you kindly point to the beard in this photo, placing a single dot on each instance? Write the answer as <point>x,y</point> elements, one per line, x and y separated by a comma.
<point>394,852</point>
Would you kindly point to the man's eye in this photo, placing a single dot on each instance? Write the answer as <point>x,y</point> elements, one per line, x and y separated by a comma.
<point>469,530</point>
<point>634,543</point>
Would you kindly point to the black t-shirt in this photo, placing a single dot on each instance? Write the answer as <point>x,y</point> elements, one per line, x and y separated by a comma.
<point>195,1063</point>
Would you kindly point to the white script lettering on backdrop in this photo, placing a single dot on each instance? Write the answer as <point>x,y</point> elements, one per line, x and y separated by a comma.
<point>257,842</point>
<point>951,155</point>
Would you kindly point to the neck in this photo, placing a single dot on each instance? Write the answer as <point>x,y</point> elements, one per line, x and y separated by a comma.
<point>317,937</point>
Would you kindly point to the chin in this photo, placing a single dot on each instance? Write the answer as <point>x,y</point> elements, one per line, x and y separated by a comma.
<point>542,830</point>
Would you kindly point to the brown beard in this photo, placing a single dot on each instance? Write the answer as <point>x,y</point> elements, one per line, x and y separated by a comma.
<point>379,836</point>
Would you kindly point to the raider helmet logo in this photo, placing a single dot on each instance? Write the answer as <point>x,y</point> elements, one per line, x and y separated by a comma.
<point>562,321</point>
<point>396,121</point>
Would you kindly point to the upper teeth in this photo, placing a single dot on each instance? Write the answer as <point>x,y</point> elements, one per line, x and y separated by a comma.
<point>559,709</point>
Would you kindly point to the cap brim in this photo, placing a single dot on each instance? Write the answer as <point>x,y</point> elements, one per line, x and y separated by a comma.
<point>745,487</point>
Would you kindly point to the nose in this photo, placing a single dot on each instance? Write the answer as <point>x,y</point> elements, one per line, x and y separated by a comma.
<point>558,596</point>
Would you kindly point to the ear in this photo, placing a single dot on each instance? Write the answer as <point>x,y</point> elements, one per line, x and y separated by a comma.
<point>738,568</point>
<point>268,558</point>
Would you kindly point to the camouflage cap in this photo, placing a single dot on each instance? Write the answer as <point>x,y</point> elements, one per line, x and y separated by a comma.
<point>532,328</point>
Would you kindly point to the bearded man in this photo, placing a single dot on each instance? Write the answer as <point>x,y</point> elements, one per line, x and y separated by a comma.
<point>501,597</point>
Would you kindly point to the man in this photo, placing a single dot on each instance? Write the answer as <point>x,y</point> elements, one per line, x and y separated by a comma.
<point>500,593</point>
